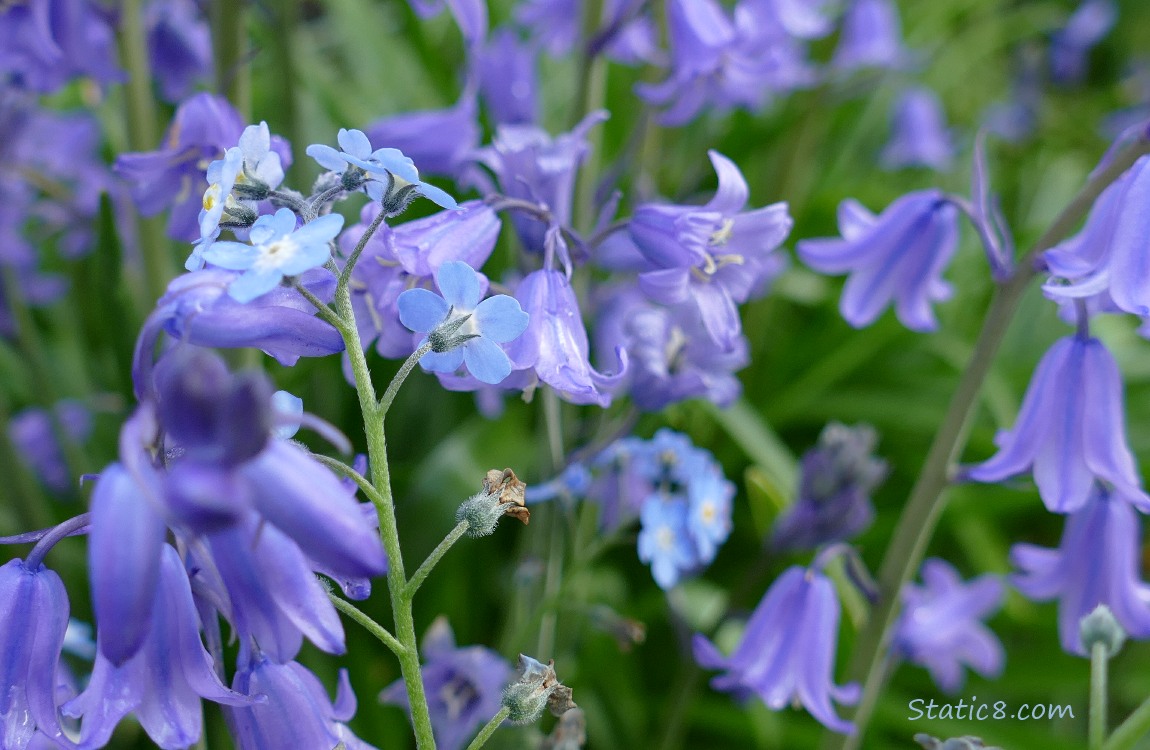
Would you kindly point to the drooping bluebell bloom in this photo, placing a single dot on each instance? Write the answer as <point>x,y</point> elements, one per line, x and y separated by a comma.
<point>716,256</point>
<point>554,348</point>
<point>385,174</point>
<point>835,482</point>
<point>33,620</point>
<point>163,683</point>
<point>277,249</point>
<point>471,15</point>
<point>409,255</point>
<point>896,257</point>
<point>46,43</point>
<point>672,357</point>
<point>530,165</point>
<point>1097,562</point>
<point>464,686</point>
<point>507,77</point>
<point>1070,431</point>
<point>802,19</point>
<point>940,627</point>
<point>197,309</point>
<point>919,136</point>
<point>626,34</point>
<point>871,36</point>
<point>1108,254</point>
<point>1070,46</point>
<point>723,63</point>
<point>34,433</point>
<point>179,46</point>
<point>440,155</point>
<point>297,711</point>
<point>787,652</point>
<point>169,177</point>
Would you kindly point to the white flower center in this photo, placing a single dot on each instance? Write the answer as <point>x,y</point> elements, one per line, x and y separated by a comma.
<point>275,254</point>
<point>665,538</point>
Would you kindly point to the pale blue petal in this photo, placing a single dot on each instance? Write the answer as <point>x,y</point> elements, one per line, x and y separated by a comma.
<point>283,222</point>
<point>327,157</point>
<point>437,196</point>
<point>307,257</point>
<point>251,284</point>
<point>501,319</point>
<point>459,284</point>
<point>322,230</point>
<point>234,256</point>
<point>443,361</point>
<point>486,361</point>
<point>421,310</point>
<point>355,143</point>
<point>264,230</point>
<point>393,160</point>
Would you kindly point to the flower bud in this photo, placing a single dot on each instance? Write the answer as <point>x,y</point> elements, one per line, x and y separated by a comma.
<point>537,688</point>
<point>1100,626</point>
<point>502,495</point>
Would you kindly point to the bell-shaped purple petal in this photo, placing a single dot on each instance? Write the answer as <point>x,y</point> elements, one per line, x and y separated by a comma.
<point>306,501</point>
<point>871,37</point>
<point>1070,430</point>
<point>507,79</point>
<point>919,136</point>
<point>457,130</point>
<point>423,245</point>
<point>788,648</point>
<point>1097,562</point>
<point>126,539</point>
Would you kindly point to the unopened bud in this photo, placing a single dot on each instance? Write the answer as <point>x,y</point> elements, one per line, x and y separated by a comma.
<point>1100,626</point>
<point>537,688</point>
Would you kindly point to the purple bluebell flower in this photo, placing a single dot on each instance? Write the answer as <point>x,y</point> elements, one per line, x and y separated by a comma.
<point>802,19</point>
<point>297,711</point>
<point>672,357</point>
<point>716,256</point>
<point>871,36</point>
<point>197,309</point>
<point>554,347</point>
<point>919,136</point>
<point>470,15</point>
<point>45,43</point>
<point>896,257</point>
<point>1070,431</point>
<point>1108,253</point>
<point>33,620</point>
<point>386,175</point>
<point>787,652</point>
<point>203,127</point>
<point>835,482</point>
<point>409,255</point>
<point>1070,46</point>
<point>507,77</point>
<point>444,155</point>
<point>724,63</point>
<point>179,46</point>
<point>626,34</point>
<point>464,686</point>
<point>620,485</point>
<point>278,249</point>
<point>1097,562</point>
<point>162,684</point>
<point>941,627</point>
<point>461,329</point>
<point>37,439</point>
<point>530,165</point>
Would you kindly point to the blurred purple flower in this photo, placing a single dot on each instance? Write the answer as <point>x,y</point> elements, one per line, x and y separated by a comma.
<point>46,43</point>
<point>461,329</point>
<point>941,627</point>
<point>1070,46</point>
<point>203,127</point>
<point>897,256</point>
<point>464,686</point>
<point>162,684</point>
<point>625,34</point>
<point>35,437</point>
<point>871,37</point>
<point>297,711</point>
<point>1097,562</point>
<point>507,77</point>
<point>1070,431</point>
<point>471,15</point>
<point>33,620</point>
<point>919,136</point>
<point>442,155</point>
<point>787,652</point>
<point>179,46</point>
<point>836,479</point>
<point>716,256</point>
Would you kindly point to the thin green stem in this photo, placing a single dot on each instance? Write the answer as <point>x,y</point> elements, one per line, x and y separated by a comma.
<point>388,529</point>
<point>928,496</point>
<point>549,623</point>
<point>1129,732</point>
<point>489,729</point>
<point>345,274</point>
<point>321,307</point>
<point>361,481</point>
<point>433,559</point>
<point>370,625</point>
<point>404,370</point>
<point>1096,730</point>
